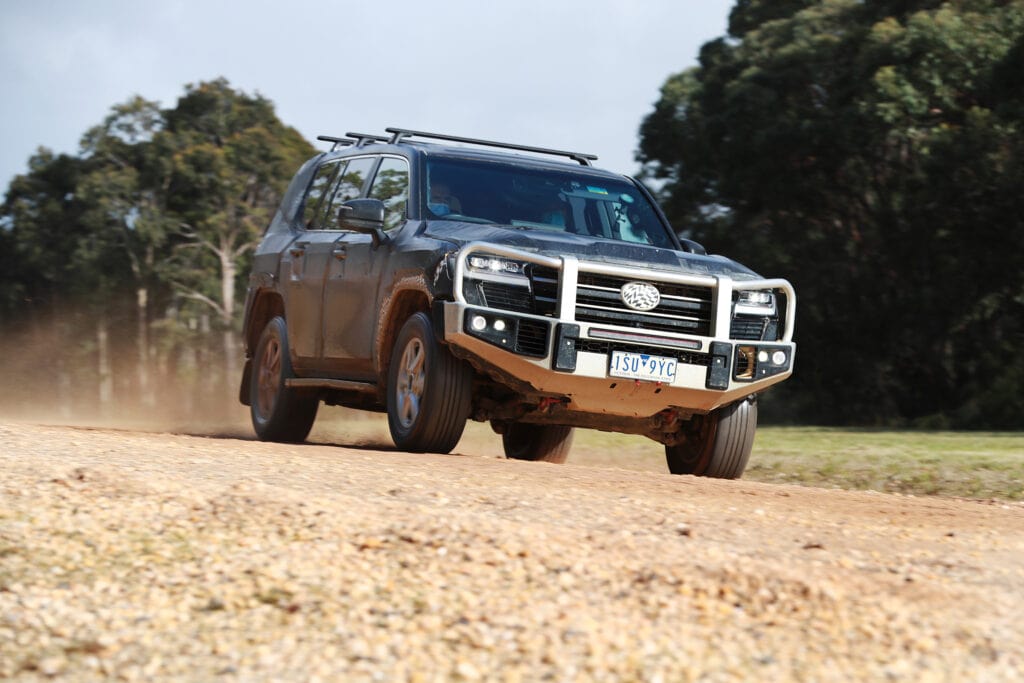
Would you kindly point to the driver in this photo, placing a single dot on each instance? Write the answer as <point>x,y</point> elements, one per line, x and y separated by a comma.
<point>441,201</point>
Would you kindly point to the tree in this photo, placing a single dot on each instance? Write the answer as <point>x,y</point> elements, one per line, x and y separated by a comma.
<point>150,227</point>
<point>125,191</point>
<point>231,161</point>
<point>869,152</point>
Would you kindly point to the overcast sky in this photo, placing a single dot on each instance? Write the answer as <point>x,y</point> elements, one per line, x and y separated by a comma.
<point>571,74</point>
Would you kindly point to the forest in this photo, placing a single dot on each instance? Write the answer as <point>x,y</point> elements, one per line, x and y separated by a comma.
<point>870,152</point>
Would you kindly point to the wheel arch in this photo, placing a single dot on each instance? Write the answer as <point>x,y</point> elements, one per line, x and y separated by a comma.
<point>267,305</point>
<point>403,304</point>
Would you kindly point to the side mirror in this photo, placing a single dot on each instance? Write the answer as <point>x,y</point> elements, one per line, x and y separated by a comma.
<point>365,216</point>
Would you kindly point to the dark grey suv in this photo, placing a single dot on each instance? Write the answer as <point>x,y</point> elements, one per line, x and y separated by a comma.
<point>466,279</point>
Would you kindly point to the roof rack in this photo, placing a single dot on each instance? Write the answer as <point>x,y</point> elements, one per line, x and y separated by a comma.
<point>337,142</point>
<point>398,134</point>
<point>362,138</point>
<point>357,139</point>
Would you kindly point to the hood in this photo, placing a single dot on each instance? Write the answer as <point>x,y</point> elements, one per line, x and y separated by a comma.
<point>555,244</point>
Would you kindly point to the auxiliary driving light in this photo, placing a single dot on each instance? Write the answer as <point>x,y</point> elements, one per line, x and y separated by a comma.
<point>778,357</point>
<point>499,325</point>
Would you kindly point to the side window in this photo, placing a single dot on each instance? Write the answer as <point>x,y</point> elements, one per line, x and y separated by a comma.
<point>316,191</point>
<point>391,186</point>
<point>347,186</point>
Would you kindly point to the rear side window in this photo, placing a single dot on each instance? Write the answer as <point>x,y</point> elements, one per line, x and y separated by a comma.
<point>391,186</point>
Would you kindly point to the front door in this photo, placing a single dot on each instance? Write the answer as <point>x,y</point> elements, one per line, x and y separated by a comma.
<point>352,289</point>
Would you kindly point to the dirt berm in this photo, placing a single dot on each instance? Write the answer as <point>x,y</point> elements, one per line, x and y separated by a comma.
<point>137,556</point>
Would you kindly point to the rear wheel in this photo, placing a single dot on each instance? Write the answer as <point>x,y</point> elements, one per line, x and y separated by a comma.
<point>429,391</point>
<point>279,413</point>
<point>721,446</point>
<point>547,443</point>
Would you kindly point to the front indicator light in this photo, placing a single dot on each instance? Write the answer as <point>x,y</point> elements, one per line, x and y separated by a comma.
<point>745,364</point>
<point>478,322</point>
<point>779,358</point>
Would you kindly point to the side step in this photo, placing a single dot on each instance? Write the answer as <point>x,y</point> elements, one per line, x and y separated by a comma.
<point>340,384</point>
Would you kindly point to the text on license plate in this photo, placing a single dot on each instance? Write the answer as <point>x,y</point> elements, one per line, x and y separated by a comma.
<point>642,366</point>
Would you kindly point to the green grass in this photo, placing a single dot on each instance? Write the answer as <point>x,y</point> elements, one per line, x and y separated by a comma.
<point>953,464</point>
<point>968,464</point>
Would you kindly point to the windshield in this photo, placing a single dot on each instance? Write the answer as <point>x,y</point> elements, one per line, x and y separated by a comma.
<point>560,201</point>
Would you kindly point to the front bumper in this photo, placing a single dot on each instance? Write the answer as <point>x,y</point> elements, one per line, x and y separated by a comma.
<point>559,349</point>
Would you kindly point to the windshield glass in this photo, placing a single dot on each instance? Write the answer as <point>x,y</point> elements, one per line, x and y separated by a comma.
<point>561,201</point>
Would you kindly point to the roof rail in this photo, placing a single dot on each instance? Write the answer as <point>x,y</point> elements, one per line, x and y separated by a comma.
<point>398,134</point>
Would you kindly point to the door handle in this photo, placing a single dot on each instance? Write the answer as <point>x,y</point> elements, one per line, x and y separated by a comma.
<point>296,251</point>
<point>340,253</point>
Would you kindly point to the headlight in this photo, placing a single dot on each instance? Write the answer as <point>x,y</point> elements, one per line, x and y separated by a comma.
<point>755,302</point>
<point>494,264</point>
<point>484,263</point>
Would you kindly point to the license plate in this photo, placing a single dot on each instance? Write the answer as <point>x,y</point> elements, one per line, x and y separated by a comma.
<point>642,366</point>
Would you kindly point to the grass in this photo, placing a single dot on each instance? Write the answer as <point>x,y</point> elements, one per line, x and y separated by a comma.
<point>967,464</point>
<point>984,465</point>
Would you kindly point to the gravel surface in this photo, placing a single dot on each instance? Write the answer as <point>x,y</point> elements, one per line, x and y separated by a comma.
<point>144,556</point>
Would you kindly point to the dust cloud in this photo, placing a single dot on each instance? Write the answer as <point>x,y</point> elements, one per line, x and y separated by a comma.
<point>61,371</point>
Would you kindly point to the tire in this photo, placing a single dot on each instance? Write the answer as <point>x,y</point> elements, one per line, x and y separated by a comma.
<point>278,412</point>
<point>546,443</point>
<point>721,446</point>
<point>429,391</point>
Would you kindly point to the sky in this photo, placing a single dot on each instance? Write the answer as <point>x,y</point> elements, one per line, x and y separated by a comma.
<point>569,74</point>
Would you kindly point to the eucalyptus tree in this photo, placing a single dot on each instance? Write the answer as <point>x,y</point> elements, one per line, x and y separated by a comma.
<point>230,159</point>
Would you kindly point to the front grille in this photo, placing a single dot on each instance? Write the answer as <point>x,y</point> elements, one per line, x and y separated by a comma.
<point>683,308</point>
<point>687,357</point>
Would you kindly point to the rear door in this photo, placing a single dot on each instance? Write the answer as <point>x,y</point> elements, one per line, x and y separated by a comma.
<point>303,265</point>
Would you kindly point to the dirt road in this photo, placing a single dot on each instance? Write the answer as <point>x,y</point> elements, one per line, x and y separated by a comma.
<point>169,557</point>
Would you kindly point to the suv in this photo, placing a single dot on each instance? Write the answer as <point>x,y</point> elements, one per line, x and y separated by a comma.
<point>446,282</point>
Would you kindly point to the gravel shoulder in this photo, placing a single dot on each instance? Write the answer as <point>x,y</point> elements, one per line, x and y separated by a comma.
<point>169,557</point>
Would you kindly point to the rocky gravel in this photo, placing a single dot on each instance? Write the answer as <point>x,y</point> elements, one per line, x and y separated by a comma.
<point>145,556</point>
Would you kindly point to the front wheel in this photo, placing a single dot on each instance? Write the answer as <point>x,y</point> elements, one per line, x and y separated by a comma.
<point>279,413</point>
<point>721,445</point>
<point>547,443</point>
<point>429,391</point>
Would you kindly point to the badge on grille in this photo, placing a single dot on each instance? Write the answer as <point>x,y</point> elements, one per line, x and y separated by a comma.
<point>640,296</point>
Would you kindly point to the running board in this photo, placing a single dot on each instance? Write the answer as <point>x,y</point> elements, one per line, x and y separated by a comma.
<point>339,384</point>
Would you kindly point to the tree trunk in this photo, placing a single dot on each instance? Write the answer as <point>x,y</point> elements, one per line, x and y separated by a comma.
<point>142,341</point>
<point>228,272</point>
<point>106,379</point>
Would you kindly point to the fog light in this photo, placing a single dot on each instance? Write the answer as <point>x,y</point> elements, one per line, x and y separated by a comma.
<point>479,322</point>
<point>499,325</point>
<point>762,356</point>
<point>779,358</point>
